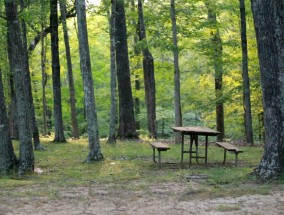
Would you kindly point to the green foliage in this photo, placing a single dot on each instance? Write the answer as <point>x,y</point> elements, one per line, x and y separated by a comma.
<point>197,76</point>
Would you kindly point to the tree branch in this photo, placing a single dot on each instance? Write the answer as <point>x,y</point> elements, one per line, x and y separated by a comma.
<point>46,31</point>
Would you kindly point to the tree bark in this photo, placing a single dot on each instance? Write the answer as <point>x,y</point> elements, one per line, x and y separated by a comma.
<point>89,99</point>
<point>126,114</point>
<point>149,77</point>
<point>7,156</point>
<point>245,75</point>
<point>177,100</point>
<point>44,77</point>
<point>33,122</point>
<point>269,26</point>
<point>113,101</point>
<point>217,59</point>
<point>14,130</point>
<point>17,57</point>
<point>57,105</point>
<point>75,129</point>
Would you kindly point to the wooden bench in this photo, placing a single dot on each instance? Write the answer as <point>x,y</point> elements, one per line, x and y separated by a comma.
<point>159,147</point>
<point>231,148</point>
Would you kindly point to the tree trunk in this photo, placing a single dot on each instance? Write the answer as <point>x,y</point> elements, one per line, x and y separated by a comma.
<point>113,101</point>
<point>268,20</point>
<point>14,131</point>
<point>75,129</point>
<point>93,133</point>
<point>245,75</point>
<point>126,114</point>
<point>137,76</point>
<point>33,123</point>
<point>43,84</point>
<point>7,156</point>
<point>26,158</point>
<point>216,57</point>
<point>57,106</point>
<point>177,100</point>
<point>149,78</point>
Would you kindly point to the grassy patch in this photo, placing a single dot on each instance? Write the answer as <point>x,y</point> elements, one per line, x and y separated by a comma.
<point>228,208</point>
<point>130,161</point>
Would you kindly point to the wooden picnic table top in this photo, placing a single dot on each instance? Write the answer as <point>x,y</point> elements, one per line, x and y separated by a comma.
<point>199,130</point>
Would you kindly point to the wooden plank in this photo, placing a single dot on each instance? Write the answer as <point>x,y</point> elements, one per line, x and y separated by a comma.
<point>228,146</point>
<point>196,130</point>
<point>160,145</point>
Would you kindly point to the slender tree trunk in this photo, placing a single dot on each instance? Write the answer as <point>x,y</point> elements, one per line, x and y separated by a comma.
<point>43,84</point>
<point>177,100</point>
<point>245,75</point>
<point>268,20</point>
<point>93,133</point>
<point>75,129</point>
<point>126,114</point>
<point>26,158</point>
<point>149,77</point>
<point>113,101</point>
<point>57,103</point>
<point>137,76</point>
<point>33,123</point>
<point>7,156</point>
<point>216,57</point>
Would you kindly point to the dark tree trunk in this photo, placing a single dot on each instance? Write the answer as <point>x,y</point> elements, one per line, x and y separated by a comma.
<point>7,156</point>
<point>14,131</point>
<point>26,158</point>
<point>43,84</point>
<point>113,101</point>
<point>57,106</point>
<point>245,75</point>
<point>75,129</point>
<point>33,123</point>
<point>217,59</point>
<point>149,77</point>
<point>89,99</point>
<point>126,114</point>
<point>177,100</point>
<point>269,26</point>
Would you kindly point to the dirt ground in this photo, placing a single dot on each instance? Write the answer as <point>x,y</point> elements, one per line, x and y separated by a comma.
<point>139,199</point>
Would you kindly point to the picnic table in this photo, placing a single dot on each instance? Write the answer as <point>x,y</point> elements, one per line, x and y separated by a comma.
<point>194,132</point>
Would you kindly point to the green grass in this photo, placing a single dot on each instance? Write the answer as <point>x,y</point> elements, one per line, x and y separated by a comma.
<point>129,161</point>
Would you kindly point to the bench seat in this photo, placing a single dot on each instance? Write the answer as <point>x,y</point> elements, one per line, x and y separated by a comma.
<point>231,148</point>
<point>159,147</point>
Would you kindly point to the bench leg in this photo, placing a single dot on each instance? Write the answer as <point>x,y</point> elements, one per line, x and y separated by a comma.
<point>154,156</point>
<point>225,155</point>
<point>236,160</point>
<point>159,158</point>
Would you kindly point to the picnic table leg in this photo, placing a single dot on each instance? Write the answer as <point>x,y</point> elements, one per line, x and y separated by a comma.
<point>196,147</point>
<point>182,147</point>
<point>206,149</point>
<point>159,158</point>
<point>190,148</point>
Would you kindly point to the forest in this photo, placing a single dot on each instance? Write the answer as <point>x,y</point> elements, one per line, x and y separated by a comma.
<point>129,69</point>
